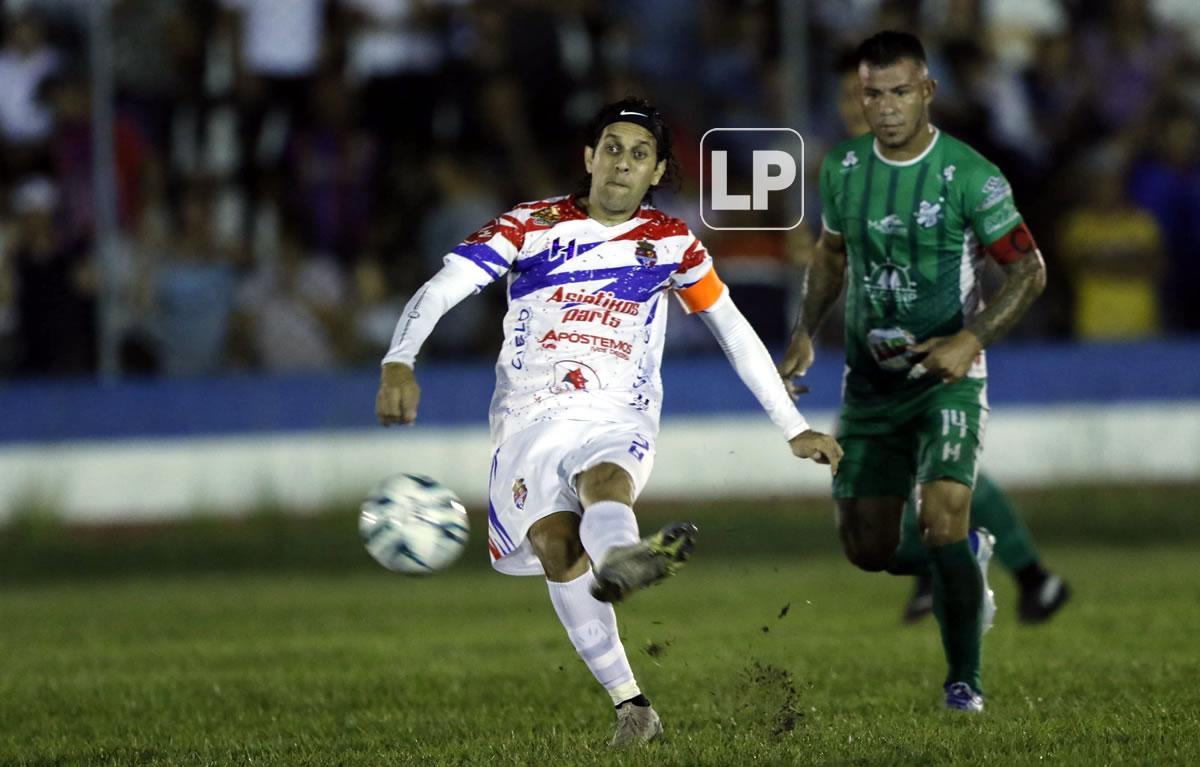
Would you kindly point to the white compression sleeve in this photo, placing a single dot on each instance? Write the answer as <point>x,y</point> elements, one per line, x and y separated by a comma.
<point>444,290</point>
<point>753,364</point>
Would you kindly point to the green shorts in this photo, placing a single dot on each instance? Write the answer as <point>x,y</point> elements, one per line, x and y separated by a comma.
<point>936,433</point>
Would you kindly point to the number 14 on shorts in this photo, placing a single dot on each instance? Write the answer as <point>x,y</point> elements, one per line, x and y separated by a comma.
<point>951,420</point>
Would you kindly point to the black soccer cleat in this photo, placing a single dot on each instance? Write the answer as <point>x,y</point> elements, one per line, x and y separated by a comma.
<point>1039,603</point>
<point>626,569</point>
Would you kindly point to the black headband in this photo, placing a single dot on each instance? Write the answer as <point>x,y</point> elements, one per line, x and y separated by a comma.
<point>634,116</point>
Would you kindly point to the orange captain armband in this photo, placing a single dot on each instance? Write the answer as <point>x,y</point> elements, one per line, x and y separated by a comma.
<point>1013,245</point>
<point>702,293</point>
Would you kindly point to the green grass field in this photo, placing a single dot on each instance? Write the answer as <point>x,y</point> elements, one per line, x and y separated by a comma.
<point>275,641</point>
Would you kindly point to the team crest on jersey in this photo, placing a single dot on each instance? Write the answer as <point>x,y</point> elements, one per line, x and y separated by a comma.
<point>548,216</point>
<point>888,225</point>
<point>520,492</point>
<point>948,173</point>
<point>570,376</point>
<point>994,190</point>
<point>645,253</point>
<point>890,286</point>
<point>850,160</point>
<point>929,215</point>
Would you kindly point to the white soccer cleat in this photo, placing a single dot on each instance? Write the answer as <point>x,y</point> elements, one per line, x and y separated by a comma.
<point>982,543</point>
<point>960,697</point>
<point>635,724</point>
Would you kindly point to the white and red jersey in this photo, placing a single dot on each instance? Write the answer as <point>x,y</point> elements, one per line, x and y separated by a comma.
<point>583,335</point>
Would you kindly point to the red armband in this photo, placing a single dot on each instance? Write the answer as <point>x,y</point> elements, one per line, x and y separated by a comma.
<point>1014,245</point>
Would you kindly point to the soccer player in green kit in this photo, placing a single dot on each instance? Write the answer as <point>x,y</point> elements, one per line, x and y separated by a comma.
<point>1042,593</point>
<point>907,216</point>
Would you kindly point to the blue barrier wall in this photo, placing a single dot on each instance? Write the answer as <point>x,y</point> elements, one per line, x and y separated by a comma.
<point>459,394</point>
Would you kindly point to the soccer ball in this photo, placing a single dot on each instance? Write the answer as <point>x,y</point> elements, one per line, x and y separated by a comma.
<point>412,524</point>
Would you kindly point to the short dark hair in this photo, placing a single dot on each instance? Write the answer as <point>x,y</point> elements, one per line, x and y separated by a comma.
<point>883,49</point>
<point>653,121</point>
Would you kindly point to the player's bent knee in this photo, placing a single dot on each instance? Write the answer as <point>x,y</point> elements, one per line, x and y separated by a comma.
<point>945,515</point>
<point>872,553</point>
<point>869,531</point>
<point>556,543</point>
<point>872,558</point>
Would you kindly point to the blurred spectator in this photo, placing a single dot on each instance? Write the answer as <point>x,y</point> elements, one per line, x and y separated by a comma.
<point>331,164</point>
<point>25,61</point>
<point>143,32</point>
<point>992,112</point>
<point>755,266</point>
<point>464,204</point>
<point>377,307</point>
<point>1166,182</point>
<point>1113,253</point>
<point>732,70</point>
<point>1128,57</point>
<point>194,288</point>
<point>71,147</point>
<point>277,47</point>
<point>1056,87</point>
<point>55,286</point>
<point>394,53</point>
<point>290,313</point>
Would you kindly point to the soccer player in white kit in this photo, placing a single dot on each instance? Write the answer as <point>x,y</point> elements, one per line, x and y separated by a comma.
<point>578,391</point>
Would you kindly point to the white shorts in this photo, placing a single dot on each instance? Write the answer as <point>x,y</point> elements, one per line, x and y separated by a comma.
<point>533,476</point>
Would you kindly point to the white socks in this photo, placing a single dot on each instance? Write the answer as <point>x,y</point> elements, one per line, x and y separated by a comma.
<point>606,524</point>
<point>592,628</point>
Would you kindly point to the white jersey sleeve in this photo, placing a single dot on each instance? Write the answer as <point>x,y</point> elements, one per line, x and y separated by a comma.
<point>478,261</point>
<point>454,282</point>
<point>753,364</point>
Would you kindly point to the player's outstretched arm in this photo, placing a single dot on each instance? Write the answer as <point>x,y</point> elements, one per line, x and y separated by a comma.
<point>752,361</point>
<point>823,282</point>
<point>399,394</point>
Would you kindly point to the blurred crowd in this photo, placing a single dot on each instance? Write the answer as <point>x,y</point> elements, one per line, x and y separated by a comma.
<point>287,172</point>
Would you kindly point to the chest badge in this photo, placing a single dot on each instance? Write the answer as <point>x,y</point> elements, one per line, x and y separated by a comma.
<point>645,253</point>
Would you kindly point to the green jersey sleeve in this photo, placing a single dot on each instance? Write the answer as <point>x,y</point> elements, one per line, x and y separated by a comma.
<point>831,216</point>
<point>988,202</point>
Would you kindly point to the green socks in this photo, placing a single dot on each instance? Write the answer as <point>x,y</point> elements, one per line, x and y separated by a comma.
<point>957,603</point>
<point>990,508</point>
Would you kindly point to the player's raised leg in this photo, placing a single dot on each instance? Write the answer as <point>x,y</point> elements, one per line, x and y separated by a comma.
<point>869,529</point>
<point>623,563</point>
<point>591,624</point>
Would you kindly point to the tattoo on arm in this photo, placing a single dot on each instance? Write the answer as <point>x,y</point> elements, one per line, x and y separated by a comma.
<point>823,281</point>
<point>1024,281</point>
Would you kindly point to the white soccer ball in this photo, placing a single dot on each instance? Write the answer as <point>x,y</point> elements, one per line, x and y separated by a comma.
<point>413,524</point>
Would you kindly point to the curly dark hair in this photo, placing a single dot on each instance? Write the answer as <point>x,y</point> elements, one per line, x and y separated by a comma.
<point>655,122</point>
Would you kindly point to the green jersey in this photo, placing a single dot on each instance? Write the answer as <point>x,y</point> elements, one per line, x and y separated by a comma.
<point>914,233</point>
